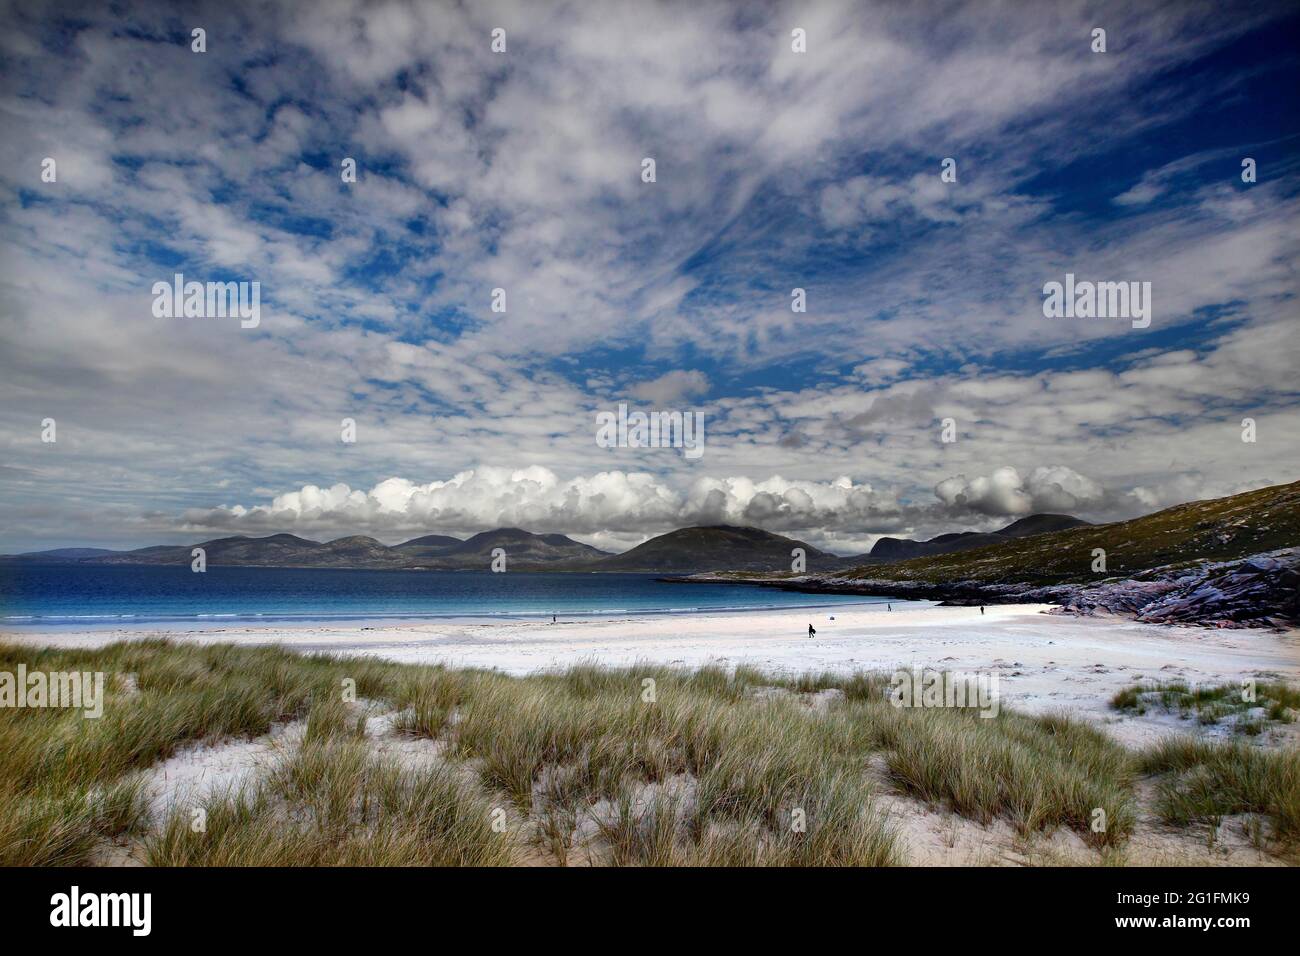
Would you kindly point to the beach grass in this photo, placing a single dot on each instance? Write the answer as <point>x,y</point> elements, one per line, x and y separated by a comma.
<point>1246,710</point>
<point>1202,782</point>
<point>641,765</point>
<point>334,804</point>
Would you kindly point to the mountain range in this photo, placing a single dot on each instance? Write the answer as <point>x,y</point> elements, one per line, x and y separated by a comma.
<point>684,551</point>
<point>1222,562</point>
<point>1226,562</point>
<point>896,549</point>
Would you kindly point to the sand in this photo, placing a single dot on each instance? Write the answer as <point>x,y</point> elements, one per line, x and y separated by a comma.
<point>1043,661</point>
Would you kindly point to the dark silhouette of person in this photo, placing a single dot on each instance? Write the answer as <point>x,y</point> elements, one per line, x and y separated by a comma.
<point>812,631</point>
<point>552,618</point>
<point>981,608</point>
<point>889,607</point>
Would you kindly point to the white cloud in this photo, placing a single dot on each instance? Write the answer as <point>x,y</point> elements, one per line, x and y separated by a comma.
<point>1004,492</point>
<point>671,387</point>
<point>477,171</point>
<point>625,507</point>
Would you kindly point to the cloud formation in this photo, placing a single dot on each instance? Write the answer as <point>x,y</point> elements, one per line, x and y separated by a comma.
<point>1005,492</point>
<point>521,171</point>
<point>617,508</point>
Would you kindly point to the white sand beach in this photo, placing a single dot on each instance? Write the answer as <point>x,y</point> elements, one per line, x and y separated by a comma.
<point>1043,661</point>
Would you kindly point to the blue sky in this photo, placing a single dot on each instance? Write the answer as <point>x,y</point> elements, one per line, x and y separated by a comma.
<point>521,170</point>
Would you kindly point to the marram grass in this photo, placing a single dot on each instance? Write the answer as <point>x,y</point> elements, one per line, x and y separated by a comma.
<point>643,765</point>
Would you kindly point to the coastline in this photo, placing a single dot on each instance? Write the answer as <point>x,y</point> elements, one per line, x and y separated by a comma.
<point>1044,661</point>
<point>1258,591</point>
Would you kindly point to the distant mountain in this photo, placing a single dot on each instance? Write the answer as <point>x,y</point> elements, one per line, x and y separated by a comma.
<point>1222,529</point>
<point>429,545</point>
<point>900,549</point>
<point>903,549</point>
<point>687,550</point>
<point>716,548</point>
<point>524,551</point>
<point>56,555</point>
<point>277,550</point>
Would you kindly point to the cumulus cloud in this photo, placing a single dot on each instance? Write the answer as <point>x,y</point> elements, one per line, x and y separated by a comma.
<point>618,506</point>
<point>1191,487</point>
<point>607,502</point>
<point>1005,493</point>
<point>468,502</point>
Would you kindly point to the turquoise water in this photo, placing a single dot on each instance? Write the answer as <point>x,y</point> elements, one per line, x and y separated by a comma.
<point>87,596</point>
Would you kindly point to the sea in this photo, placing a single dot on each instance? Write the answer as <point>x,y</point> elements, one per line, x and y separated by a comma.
<point>84,597</point>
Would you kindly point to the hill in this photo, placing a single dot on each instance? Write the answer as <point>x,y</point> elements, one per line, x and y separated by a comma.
<point>56,556</point>
<point>430,545</point>
<point>716,548</point>
<point>1229,562</point>
<point>523,549</point>
<point>1222,529</point>
<point>902,549</point>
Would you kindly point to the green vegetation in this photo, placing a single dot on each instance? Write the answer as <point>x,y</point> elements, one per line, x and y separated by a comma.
<point>1219,530</point>
<point>1038,772</point>
<point>642,765</point>
<point>333,804</point>
<point>1204,782</point>
<point>66,782</point>
<point>1219,704</point>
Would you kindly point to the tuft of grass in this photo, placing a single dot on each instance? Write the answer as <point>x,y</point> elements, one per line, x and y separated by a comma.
<point>329,717</point>
<point>1215,704</point>
<point>1202,782</point>
<point>1038,773</point>
<point>334,805</point>
<point>64,828</point>
<point>429,704</point>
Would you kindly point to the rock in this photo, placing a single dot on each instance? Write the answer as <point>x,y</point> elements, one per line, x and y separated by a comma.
<point>1261,590</point>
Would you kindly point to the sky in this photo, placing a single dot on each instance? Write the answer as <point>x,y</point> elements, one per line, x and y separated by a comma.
<point>523,170</point>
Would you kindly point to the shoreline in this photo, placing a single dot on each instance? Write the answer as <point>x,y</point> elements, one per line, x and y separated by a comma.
<point>1260,591</point>
<point>1043,661</point>
<point>91,624</point>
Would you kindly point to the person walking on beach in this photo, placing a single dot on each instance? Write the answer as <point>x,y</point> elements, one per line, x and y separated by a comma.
<point>981,609</point>
<point>812,631</point>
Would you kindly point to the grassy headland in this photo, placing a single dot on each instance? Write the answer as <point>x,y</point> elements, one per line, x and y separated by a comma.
<point>1223,529</point>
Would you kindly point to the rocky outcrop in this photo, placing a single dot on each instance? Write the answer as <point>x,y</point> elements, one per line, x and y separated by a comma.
<point>1262,590</point>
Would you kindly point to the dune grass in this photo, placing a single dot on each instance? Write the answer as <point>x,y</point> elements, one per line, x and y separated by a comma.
<point>1037,773</point>
<point>1215,704</point>
<point>642,765</point>
<point>65,782</point>
<point>1203,782</point>
<point>334,804</point>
